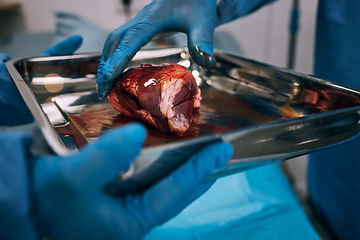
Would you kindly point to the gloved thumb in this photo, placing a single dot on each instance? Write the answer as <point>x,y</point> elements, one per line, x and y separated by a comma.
<point>200,44</point>
<point>68,46</point>
<point>113,152</point>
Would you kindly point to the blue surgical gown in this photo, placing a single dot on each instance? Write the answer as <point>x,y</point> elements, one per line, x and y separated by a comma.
<point>334,174</point>
<point>15,204</point>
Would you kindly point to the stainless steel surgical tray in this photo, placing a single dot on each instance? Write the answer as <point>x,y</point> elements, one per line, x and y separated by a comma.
<point>267,113</point>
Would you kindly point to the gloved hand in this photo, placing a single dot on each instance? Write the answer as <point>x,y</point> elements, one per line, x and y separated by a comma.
<point>68,46</point>
<point>196,18</point>
<point>70,201</point>
<point>13,109</point>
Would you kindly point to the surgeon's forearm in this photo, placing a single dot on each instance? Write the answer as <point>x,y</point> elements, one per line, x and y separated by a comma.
<point>229,10</point>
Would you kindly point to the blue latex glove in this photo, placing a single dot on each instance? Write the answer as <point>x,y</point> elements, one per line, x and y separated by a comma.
<point>196,18</point>
<point>68,46</point>
<point>71,203</point>
<point>13,109</point>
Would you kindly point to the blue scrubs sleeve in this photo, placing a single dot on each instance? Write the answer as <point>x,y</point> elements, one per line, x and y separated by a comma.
<point>334,174</point>
<point>14,187</point>
<point>229,10</point>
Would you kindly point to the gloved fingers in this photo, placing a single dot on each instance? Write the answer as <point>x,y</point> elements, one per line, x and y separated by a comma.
<point>112,153</point>
<point>117,35</point>
<point>113,40</point>
<point>134,38</point>
<point>166,163</point>
<point>105,71</point>
<point>200,44</point>
<point>68,46</point>
<point>172,194</point>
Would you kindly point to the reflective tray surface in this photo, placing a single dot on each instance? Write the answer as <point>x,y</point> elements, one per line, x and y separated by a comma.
<point>268,113</point>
